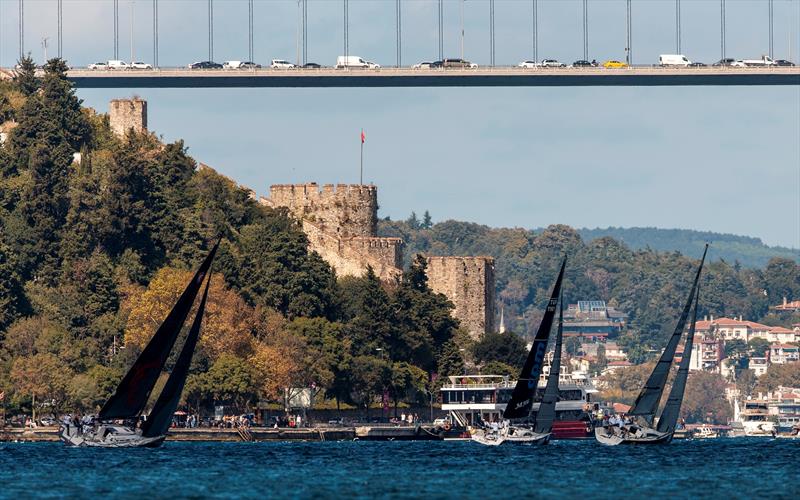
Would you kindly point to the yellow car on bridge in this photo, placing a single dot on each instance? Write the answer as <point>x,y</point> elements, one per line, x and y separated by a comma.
<point>614,64</point>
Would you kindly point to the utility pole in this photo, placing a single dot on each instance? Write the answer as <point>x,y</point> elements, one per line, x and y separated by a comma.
<point>297,34</point>
<point>678,26</point>
<point>305,31</point>
<point>44,46</point>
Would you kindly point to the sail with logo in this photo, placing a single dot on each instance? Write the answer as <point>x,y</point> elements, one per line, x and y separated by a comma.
<point>642,430</point>
<point>521,403</point>
<point>524,392</point>
<point>117,424</point>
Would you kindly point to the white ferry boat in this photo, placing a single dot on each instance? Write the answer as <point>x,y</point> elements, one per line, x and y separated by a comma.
<point>755,419</point>
<point>471,399</point>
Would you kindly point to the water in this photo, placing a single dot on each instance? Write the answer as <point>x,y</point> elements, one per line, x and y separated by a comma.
<point>722,468</point>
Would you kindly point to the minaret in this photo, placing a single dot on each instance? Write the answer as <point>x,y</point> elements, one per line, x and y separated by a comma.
<point>502,321</point>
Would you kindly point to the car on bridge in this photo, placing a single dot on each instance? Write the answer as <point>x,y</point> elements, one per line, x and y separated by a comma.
<point>729,62</point>
<point>528,64</point>
<point>696,64</point>
<point>312,65</point>
<point>552,63</point>
<point>422,65</point>
<point>783,62</point>
<point>584,64</point>
<point>355,62</point>
<point>98,65</point>
<point>614,64</point>
<point>240,65</point>
<point>205,65</point>
<point>117,64</point>
<point>452,63</point>
<point>140,65</point>
<point>281,64</point>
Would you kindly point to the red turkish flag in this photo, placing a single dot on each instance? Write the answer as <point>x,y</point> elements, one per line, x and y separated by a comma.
<point>363,136</point>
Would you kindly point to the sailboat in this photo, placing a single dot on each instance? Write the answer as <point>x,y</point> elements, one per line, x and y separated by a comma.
<point>521,403</point>
<point>643,430</point>
<point>118,425</point>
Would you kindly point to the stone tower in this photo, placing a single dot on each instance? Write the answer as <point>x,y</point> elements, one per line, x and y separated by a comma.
<point>469,284</point>
<point>341,225</point>
<point>126,114</point>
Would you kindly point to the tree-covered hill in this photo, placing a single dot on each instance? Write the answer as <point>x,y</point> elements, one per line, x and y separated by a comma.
<point>648,285</point>
<point>99,234</point>
<point>749,252</point>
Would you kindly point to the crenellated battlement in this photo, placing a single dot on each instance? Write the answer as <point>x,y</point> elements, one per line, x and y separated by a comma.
<point>347,210</point>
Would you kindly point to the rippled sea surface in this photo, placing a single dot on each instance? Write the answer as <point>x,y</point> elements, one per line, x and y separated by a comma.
<point>722,468</point>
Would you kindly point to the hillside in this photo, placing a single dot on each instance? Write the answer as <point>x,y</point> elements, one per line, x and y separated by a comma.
<point>749,252</point>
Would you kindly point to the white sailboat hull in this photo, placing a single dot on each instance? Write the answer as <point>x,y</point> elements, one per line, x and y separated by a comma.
<point>511,435</point>
<point>613,436</point>
<point>107,436</point>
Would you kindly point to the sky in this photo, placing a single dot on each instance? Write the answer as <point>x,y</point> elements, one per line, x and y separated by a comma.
<point>724,159</point>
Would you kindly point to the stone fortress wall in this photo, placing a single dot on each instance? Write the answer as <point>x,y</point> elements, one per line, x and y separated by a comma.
<point>341,223</point>
<point>126,114</point>
<point>469,283</point>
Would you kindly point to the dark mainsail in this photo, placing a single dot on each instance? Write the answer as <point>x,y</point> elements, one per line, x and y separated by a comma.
<point>522,397</point>
<point>132,393</point>
<point>648,399</point>
<point>547,408</point>
<point>160,418</point>
<point>669,416</point>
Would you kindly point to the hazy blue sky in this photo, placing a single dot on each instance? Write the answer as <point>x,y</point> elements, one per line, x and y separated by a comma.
<point>710,158</point>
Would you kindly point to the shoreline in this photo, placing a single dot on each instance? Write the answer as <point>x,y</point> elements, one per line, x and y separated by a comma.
<point>50,434</point>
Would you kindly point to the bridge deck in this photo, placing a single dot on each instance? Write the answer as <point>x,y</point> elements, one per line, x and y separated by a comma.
<point>407,77</point>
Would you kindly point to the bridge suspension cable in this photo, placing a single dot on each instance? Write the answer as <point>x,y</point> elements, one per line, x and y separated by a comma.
<point>60,27</point>
<point>629,48</point>
<point>441,30</point>
<point>585,30</point>
<point>535,22</point>
<point>250,31</point>
<point>210,30</point>
<point>116,29</point>
<point>398,23</point>
<point>305,31</point>
<point>677,26</point>
<point>722,28</point>
<point>771,27</point>
<point>346,25</point>
<point>491,32</point>
<point>155,33</point>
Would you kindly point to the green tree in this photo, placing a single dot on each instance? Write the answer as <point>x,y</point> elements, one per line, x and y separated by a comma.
<point>25,79</point>
<point>369,377</point>
<point>506,348</point>
<point>408,382</point>
<point>500,368</point>
<point>758,347</point>
<point>427,222</point>
<point>450,362</point>
<point>231,381</point>
<point>704,400</point>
